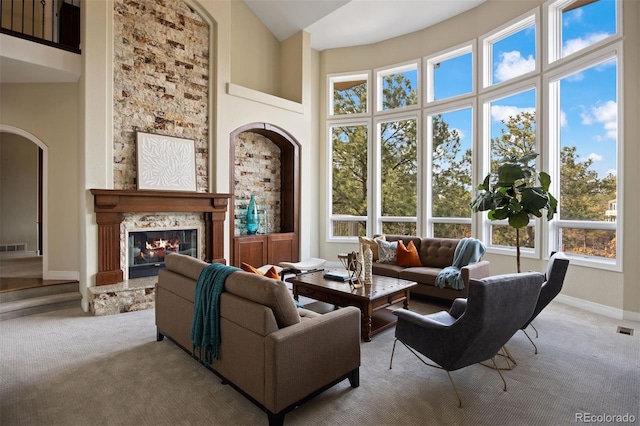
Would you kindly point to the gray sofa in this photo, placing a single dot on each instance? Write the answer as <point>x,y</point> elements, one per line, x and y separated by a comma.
<point>435,254</point>
<point>272,352</point>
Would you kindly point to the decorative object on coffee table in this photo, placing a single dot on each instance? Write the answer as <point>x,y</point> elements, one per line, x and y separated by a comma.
<point>368,264</point>
<point>252,217</point>
<point>353,265</point>
<point>165,163</point>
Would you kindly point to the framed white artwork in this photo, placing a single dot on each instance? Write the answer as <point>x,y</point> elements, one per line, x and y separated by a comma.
<point>165,163</point>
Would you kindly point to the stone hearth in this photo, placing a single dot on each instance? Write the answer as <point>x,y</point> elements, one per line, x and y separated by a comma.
<point>127,296</point>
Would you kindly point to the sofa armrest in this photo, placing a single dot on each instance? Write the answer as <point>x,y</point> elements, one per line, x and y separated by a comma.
<point>304,357</point>
<point>475,271</point>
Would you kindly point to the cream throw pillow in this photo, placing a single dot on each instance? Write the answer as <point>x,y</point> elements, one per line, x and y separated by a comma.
<point>373,243</point>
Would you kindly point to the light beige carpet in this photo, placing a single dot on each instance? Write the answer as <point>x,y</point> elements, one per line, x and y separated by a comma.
<point>69,368</point>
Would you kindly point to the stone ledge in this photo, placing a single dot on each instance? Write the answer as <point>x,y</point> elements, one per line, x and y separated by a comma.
<point>131,295</point>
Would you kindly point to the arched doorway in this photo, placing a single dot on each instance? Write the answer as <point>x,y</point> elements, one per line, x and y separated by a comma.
<point>24,216</point>
<point>279,241</point>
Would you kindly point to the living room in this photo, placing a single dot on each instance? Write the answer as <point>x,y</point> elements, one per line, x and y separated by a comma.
<point>89,145</point>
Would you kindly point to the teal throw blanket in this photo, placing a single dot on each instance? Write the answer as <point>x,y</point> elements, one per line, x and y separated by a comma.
<point>205,328</point>
<point>468,251</point>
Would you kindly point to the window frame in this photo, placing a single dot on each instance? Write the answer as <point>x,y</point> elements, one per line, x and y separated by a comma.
<point>343,77</point>
<point>429,220</point>
<point>329,193</point>
<point>552,10</point>
<point>429,63</point>
<point>551,80</point>
<point>380,73</point>
<point>487,40</point>
<point>484,165</point>
<point>376,189</point>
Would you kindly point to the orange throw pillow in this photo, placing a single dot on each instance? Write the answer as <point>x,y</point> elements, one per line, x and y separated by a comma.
<point>271,272</point>
<point>407,256</point>
<point>248,268</point>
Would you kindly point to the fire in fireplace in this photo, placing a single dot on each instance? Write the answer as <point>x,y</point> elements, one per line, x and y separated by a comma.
<point>147,249</point>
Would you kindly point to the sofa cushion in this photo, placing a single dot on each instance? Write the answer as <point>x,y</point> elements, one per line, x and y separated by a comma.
<point>387,251</point>
<point>386,269</point>
<point>266,291</point>
<point>421,274</point>
<point>185,265</point>
<point>407,256</point>
<point>437,252</point>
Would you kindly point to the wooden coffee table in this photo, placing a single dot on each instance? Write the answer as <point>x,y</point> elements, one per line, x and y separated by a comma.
<point>370,299</point>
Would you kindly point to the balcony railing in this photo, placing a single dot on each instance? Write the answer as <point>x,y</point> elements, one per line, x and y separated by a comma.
<point>55,23</point>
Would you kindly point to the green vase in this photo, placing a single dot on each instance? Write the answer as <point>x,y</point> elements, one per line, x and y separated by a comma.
<point>252,217</point>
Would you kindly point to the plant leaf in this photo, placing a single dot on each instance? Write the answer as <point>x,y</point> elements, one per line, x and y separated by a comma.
<point>519,220</point>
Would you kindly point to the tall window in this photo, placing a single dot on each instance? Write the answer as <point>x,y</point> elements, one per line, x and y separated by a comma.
<point>512,132</point>
<point>584,105</point>
<point>349,182</point>
<point>399,175</point>
<point>451,139</point>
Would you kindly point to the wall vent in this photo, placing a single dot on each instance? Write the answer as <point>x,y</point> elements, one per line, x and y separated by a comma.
<point>13,248</point>
<point>625,330</point>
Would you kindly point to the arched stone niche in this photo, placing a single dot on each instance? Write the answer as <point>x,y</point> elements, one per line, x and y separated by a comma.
<point>265,162</point>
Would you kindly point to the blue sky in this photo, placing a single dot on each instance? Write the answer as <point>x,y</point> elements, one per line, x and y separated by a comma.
<point>587,98</point>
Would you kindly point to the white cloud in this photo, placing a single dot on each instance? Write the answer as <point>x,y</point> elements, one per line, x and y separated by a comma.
<point>503,112</point>
<point>460,133</point>
<point>611,172</point>
<point>512,64</point>
<point>575,44</point>
<point>563,119</point>
<point>595,157</point>
<point>605,113</point>
<point>573,16</point>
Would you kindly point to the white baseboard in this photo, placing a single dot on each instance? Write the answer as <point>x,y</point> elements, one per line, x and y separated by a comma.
<point>598,308</point>
<point>62,275</point>
<point>14,254</point>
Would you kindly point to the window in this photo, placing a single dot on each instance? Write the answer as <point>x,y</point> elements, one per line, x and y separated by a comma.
<point>450,141</point>
<point>511,122</point>
<point>399,175</point>
<point>349,179</point>
<point>578,25</point>
<point>510,52</point>
<point>584,109</point>
<point>397,87</point>
<point>450,75</point>
<point>389,177</point>
<point>349,94</point>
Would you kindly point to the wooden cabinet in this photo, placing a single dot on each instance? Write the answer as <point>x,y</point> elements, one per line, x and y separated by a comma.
<point>259,250</point>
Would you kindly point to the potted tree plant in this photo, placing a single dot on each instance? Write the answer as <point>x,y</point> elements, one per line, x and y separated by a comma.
<point>512,194</point>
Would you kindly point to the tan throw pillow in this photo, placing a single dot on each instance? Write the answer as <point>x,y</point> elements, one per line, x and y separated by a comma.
<point>373,243</point>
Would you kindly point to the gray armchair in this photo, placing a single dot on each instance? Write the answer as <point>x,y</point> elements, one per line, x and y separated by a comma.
<point>556,271</point>
<point>474,329</point>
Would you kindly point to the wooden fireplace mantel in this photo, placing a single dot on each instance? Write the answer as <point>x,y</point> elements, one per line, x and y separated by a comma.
<point>109,205</point>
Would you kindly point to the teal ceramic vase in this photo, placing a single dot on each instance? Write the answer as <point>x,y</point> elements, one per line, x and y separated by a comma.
<point>252,217</point>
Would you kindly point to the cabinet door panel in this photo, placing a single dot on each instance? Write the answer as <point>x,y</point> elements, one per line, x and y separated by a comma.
<point>283,248</point>
<point>251,250</point>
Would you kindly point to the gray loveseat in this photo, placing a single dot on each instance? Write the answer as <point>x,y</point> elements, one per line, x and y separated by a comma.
<point>272,352</point>
<point>435,254</point>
